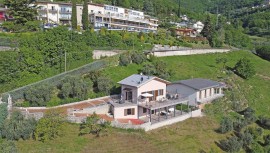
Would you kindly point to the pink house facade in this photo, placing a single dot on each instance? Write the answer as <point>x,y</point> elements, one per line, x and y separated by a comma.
<point>153,99</point>
<point>144,97</point>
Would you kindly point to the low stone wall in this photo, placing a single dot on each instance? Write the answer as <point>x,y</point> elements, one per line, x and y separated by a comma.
<point>188,52</point>
<point>97,54</point>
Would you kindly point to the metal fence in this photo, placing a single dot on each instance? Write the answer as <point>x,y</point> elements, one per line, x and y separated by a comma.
<point>55,80</point>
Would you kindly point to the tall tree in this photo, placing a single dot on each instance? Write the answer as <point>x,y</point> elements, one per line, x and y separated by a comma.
<point>148,7</point>
<point>74,15</point>
<point>21,10</point>
<point>208,30</point>
<point>85,19</point>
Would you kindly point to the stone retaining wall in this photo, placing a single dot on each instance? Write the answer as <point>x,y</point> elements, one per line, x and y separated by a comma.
<point>188,52</point>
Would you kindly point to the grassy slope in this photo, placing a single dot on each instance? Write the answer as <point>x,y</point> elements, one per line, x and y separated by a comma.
<point>255,90</point>
<point>192,135</point>
<point>189,136</point>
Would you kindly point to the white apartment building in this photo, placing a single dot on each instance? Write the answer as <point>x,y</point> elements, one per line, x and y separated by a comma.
<point>52,12</point>
<point>110,17</point>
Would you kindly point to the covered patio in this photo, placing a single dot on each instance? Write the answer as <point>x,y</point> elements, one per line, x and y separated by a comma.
<point>158,111</point>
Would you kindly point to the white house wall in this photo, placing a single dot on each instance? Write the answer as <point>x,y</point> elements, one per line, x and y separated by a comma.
<point>79,14</point>
<point>152,85</point>
<point>119,112</point>
<point>53,16</point>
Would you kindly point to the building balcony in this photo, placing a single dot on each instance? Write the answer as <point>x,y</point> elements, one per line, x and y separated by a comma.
<point>65,11</point>
<point>53,10</point>
<point>116,101</point>
<point>64,18</point>
<point>163,102</point>
<point>42,10</point>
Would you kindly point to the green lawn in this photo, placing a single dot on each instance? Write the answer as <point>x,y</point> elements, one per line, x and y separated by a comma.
<point>192,135</point>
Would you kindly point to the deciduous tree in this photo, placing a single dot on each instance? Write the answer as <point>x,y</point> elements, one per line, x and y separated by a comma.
<point>50,126</point>
<point>21,10</point>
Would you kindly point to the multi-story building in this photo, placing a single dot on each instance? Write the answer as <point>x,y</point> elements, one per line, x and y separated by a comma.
<point>117,18</point>
<point>110,17</point>
<point>52,12</point>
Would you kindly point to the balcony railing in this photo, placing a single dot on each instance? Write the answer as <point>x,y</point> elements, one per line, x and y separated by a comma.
<point>162,103</point>
<point>53,10</point>
<point>65,11</point>
<point>64,18</point>
<point>42,9</point>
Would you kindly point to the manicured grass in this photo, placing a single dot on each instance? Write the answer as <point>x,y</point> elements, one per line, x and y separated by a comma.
<point>192,135</point>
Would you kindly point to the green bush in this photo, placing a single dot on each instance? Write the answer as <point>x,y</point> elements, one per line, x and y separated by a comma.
<point>18,127</point>
<point>264,122</point>
<point>50,126</point>
<point>226,125</point>
<point>124,59</point>
<point>267,140</point>
<point>233,144</point>
<point>264,52</point>
<point>8,147</point>
<point>138,57</point>
<point>249,115</point>
<point>104,85</point>
<point>245,68</point>
<point>39,96</point>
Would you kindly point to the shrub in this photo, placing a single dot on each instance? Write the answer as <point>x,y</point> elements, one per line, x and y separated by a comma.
<point>246,138</point>
<point>3,114</point>
<point>18,127</point>
<point>266,140</point>
<point>138,57</point>
<point>124,60</point>
<point>239,124</point>
<point>50,126</point>
<point>232,144</point>
<point>8,147</point>
<point>226,125</point>
<point>256,148</point>
<point>264,122</point>
<point>75,87</point>
<point>94,125</point>
<point>249,115</point>
<point>148,69</point>
<point>264,52</point>
<point>244,68</point>
<point>255,132</point>
<point>104,85</point>
<point>38,96</point>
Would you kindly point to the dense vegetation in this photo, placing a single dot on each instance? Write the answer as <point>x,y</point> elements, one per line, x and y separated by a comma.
<point>186,136</point>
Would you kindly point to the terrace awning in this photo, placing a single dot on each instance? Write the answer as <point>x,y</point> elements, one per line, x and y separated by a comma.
<point>147,95</point>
